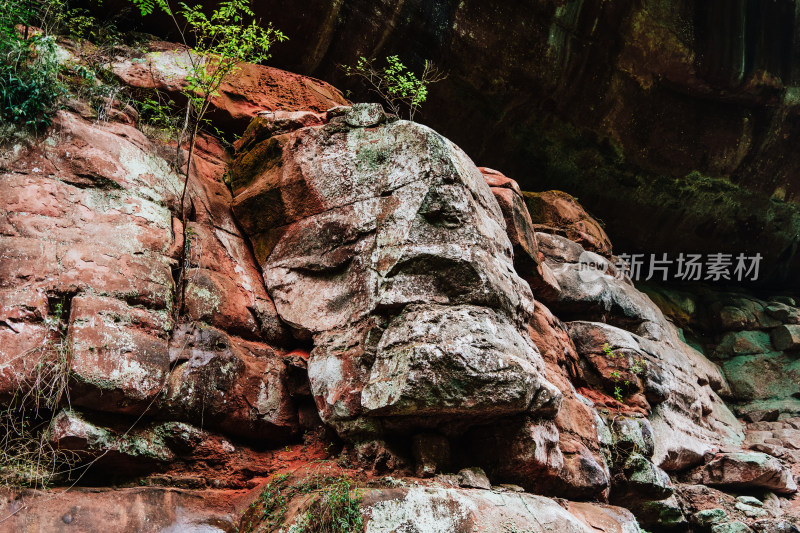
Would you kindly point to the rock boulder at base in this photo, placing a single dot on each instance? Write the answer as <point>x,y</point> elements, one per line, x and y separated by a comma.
<point>441,510</point>
<point>747,469</point>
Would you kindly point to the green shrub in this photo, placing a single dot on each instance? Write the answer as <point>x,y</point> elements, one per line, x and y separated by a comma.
<point>396,85</point>
<point>335,510</point>
<point>30,90</point>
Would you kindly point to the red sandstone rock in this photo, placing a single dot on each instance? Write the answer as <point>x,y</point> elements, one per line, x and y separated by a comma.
<point>521,232</point>
<point>558,212</point>
<point>88,221</point>
<point>747,469</point>
<point>251,89</point>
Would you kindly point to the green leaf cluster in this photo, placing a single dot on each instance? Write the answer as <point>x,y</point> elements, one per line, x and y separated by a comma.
<point>403,83</point>
<point>399,87</point>
<point>30,90</point>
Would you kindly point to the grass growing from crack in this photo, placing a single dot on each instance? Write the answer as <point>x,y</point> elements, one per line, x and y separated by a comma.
<point>334,507</point>
<point>27,457</point>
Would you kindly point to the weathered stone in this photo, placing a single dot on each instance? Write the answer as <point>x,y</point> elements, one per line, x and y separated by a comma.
<point>747,469</point>
<point>99,510</point>
<point>556,211</point>
<point>681,434</point>
<point>585,474</point>
<point>523,452</point>
<point>734,312</point>
<point>518,221</point>
<point>665,513</point>
<point>119,353</point>
<point>599,290</point>
<point>737,343</point>
<point>229,384</point>
<point>750,511</point>
<point>92,213</point>
<point>750,500</point>
<point>757,415</point>
<point>339,367</point>
<point>140,448</point>
<point>223,285</point>
<point>447,510</point>
<point>680,381</point>
<point>731,527</point>
<point>253,89</point>
<point>767,376</point>
<point>435,360</point>
<point>786,337</point>
<point>364,115</point>
<point>270,123</point>
<point>473,478</point>
<point>709,517</point>
<point>379,457</point>
<point>643,481</point>
<point>790,438</point>
<point>632,436</point>
<point>775,526</point>
<point>415,229</point>
<point>783,312</point>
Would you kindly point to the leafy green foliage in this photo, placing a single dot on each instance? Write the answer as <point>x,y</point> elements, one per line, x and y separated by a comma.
<point>221,40</point>
<point>158,112</point>
<point>147,7</point>
<point>399,87</point>
<point>336,510</point>
<point>33,83</point>
<point>30,91</point>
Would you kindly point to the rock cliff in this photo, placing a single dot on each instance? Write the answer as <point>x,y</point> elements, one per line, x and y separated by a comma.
<point>347,295</point>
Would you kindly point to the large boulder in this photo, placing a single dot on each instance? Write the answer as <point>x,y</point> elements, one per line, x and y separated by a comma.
<point>380,240</point>
<point>441,510</point>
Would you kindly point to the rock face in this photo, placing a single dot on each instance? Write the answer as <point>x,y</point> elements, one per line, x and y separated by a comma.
<point>384,236</point>
<point>641,355</point>
<point>356,279</point>
<point>442,510</point>
<point>140,509</point>
<point>751,338</point>
<point>751,469</point>
<point>93,207</point>
<point>251,90</point>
